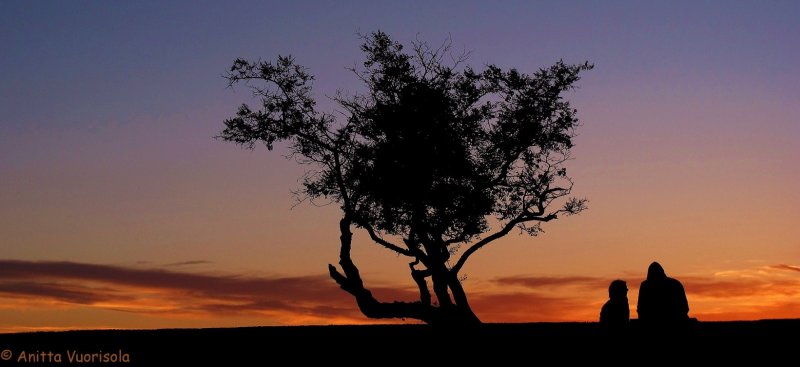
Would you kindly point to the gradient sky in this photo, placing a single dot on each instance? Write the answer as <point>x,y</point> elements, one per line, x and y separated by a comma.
<point>119,209</point>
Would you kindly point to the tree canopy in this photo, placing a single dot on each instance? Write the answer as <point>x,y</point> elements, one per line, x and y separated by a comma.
<point>429,154</point>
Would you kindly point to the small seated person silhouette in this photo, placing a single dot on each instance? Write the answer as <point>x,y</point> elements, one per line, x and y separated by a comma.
<point>615,313</point>
<point>662,300</point>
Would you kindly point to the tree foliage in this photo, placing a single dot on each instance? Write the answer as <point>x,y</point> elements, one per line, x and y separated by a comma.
<point>429,154</point>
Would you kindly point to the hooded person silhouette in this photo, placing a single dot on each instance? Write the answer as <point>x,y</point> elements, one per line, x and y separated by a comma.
<point>662,300</point>
<point>615,314</point>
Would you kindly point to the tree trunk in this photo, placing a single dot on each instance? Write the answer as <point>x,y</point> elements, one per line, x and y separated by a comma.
<point>448,313</point>
<point>460,298</point>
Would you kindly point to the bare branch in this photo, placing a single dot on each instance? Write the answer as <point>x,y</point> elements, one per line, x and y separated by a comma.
<point>379,240</point>
<point>504,231</point>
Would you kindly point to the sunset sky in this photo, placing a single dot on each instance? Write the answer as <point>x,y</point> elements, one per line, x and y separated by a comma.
<point>118,209</point>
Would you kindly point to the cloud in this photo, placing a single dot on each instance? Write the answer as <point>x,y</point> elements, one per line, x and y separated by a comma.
<point>284,299</point>
<point>740,287</point>
<point>766,292</point>
<point>776,310</point>
<point>786,267</point>
<point>62,292</point>
<point>526,298</point>
<point>176,293</point>
<point>190,262</point>
<point>537,282</point>
<point>760,282</point>
<point>746,294</point>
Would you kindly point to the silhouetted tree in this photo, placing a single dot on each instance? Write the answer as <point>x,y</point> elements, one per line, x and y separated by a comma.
<point>424,161</point>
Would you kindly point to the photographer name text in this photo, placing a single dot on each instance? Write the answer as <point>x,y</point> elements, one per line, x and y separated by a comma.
<point>68,356</point>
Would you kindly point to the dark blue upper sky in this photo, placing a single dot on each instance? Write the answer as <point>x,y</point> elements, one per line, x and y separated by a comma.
<point>70,63</point>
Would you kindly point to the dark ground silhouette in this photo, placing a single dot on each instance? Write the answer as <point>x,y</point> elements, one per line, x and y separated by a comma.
<point>303,345</point>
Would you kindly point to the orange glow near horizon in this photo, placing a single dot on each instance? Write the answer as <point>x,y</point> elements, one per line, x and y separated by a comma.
<point>155,298</point>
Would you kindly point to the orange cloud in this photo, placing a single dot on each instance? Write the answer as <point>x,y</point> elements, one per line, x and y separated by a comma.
<point>778,310</point>
<point>747,294</point>
<point>175,293</point>
<point>538,282</point>
<point>767,292</point>
<point>740,287</point>
<point>786,267</point>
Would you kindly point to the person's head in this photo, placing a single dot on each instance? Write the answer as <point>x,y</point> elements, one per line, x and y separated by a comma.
<point>618,289</point>
<point>655,271</point>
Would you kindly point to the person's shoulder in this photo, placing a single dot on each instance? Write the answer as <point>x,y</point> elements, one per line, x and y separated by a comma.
<point>605,311</point>
<point>675,282</point>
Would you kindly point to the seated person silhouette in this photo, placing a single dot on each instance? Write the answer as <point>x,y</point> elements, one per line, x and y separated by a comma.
<point>662,301</point>
<point>615,313</point>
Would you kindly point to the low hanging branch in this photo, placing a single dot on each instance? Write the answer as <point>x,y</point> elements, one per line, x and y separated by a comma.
<point>351,282</point>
